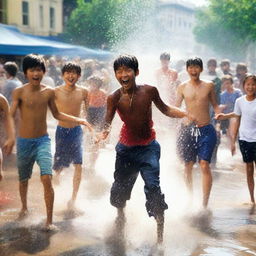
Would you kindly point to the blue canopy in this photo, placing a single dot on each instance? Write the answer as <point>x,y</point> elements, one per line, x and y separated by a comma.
<point>14,42</point>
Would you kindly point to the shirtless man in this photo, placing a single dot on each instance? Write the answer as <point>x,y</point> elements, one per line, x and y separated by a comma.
<point>33,143</point>
<point>9,128</point>
<point>69,135</point>
<point>137,149</point>
<point>198,139</point>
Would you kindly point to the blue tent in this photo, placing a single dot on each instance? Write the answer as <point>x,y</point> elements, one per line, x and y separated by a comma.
<point>13,42</point>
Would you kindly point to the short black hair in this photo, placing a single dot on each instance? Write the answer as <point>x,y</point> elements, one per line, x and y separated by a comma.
<point>11,68</point>
<point>71,66</point>
<point>126,60</point>
<point>196,61</point>
<point>33,61</point>
<point>165,56</point>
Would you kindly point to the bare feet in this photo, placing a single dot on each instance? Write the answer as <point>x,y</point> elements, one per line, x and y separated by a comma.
<point>23,214</point>
<point>50,228</point>
<point>71,204</point>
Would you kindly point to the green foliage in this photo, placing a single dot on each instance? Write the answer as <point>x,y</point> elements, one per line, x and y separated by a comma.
<point>228,26</point>
<point>97,22</point>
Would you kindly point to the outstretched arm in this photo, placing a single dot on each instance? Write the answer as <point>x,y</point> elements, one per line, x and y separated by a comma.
<point>233,134</point>
<point>9,125</point>
<point>170,111</point>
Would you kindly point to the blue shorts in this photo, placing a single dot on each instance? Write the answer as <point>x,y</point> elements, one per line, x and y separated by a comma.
<point>68,147</point>
<point>33,150</point>
<point>129,162</point>
<point>248,150</point>
<point>196,142</point>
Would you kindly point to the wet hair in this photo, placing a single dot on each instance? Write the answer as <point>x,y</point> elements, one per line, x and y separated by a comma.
<point>11,68</point>
<point>212,62</point>
<point>71,66</point>
<point>98,81</point>
<point>241,66</point>
<point>196,61</point>
<point>253,77</point>
<point>33,61</point>
<point>225,62</point>
<point>227,78</point>
<point>129,61</point>
<point>165,56</point>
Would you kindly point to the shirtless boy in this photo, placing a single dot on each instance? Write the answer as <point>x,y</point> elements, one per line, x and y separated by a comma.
<point>33,143</point>
<point>197,139</point>
<point>69,135</point>
<point>9,128</point>
<point>137,149</point>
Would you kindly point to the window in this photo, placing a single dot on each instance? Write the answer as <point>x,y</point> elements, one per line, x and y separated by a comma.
<point>3,18</point>
<point>52,18</point>
<point>41,13</point>
<point>25,20</point>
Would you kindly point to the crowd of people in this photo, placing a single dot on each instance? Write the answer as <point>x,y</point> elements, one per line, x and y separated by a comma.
<point>212,103</point>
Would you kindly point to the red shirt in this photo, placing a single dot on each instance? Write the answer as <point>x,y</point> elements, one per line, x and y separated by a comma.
<point>127,137</point>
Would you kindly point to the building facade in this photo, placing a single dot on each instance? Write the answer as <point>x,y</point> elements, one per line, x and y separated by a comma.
<point>37,17</point>
<point>176,20</point>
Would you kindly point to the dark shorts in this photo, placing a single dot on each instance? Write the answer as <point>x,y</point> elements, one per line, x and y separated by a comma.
<point>130,161</point>
<point>33,150</point>
<point>95,116</point>
<point>224,125</point>
<point>248,150</point>
<point>193,143</point>
<point>68,147</point>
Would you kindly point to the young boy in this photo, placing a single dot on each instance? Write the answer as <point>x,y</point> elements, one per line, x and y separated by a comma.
<point>9,128</point>
<point>33,143</point>
<point>69,135</point>
<point>245,113</point>
<point>137,149</point>
<point>198,139</point>
<point>227,100</point>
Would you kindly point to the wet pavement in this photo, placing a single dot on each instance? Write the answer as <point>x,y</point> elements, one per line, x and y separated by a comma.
<point>227,229</point>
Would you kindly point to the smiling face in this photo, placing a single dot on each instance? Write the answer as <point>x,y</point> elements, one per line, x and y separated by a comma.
<point>126,77</point>
<point>194,71</point>
<point>35,75</point>
<point>250,87</point>
<point>70,77</point>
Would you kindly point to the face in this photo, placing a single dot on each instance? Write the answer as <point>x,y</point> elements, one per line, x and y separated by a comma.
<point>227,84</point>
<point>165,63</point>
<point>194,71</point>
<point>250,87</point>
<point>126,77</point>
<point>224,67</point>
<point>211,68</point>
<point>70,77</point>
<point>35,75</point>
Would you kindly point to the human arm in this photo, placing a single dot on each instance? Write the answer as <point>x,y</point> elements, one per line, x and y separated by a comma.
<point>171,111</point>
<point>234,127</point>
<point>9,126</point>
<point>213,99</point>
<point>110,113</point>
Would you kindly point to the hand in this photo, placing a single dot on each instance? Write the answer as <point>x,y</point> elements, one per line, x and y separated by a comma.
<point>101,136</point>
<point>8,145</point>
<point>220,116</point>
<point>191,117</point>
<point>85,123</point>
<point>233,148</point>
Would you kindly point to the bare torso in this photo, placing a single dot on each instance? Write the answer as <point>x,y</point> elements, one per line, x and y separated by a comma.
<point>197,99</point>
<point>33,106</point>
<point>135,110</point>
<point>70,102</point>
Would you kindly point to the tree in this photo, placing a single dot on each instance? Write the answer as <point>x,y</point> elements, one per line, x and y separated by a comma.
<point>97,22</point>
<point>228,26</point>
